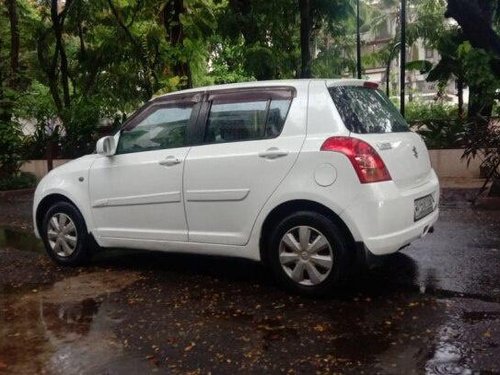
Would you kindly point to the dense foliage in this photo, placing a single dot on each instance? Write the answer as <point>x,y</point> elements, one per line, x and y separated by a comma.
<point>437,123</point>
<point>19,180</point>
<point>70,68</point>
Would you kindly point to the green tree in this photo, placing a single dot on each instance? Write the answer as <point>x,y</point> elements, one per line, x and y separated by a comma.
<point>314,15</point>
<point>14,63</point>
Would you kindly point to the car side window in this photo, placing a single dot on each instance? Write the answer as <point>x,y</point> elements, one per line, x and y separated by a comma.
<point>277,116</point>
<point>161,127</point>
<point>229,122</point>
<point>245,120</point>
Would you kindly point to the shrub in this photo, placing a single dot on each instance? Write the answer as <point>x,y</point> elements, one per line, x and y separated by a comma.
<point>483,141</point>
<point>80,125</point>
<point>441,133</point>
<point>21,180</point>
<point>437,123</point>
<point>418,111</point>
<point>10,149</point>
<point>36,144</point>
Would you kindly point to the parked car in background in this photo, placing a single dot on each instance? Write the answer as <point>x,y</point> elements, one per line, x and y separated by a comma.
<point>299,174</point>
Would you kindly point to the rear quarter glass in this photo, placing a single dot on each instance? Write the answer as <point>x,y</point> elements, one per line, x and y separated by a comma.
<point>367,110</point>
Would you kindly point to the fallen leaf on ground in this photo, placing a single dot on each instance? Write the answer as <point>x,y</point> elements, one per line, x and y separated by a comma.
<point>319,328</point>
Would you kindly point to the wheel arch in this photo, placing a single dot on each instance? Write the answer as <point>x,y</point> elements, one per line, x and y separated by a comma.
<point>46,203</point>
<point>286,208</point>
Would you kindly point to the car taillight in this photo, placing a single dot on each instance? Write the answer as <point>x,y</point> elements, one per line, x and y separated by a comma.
<point>367,163</point>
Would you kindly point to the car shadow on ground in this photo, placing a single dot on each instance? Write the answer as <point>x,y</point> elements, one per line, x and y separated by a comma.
<point>382,277</point>
<point>389,274</point>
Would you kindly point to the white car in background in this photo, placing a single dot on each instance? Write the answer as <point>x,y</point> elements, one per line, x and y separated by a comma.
<point>299,174</point>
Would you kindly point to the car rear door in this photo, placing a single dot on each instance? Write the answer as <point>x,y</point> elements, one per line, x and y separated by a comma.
<point>251,139</point>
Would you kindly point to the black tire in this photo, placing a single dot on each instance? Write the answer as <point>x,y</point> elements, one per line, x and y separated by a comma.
<point>339,246</point>
<point>81,253</point>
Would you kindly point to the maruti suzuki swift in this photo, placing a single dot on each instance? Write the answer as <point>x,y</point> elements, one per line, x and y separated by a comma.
<point>298,174</point>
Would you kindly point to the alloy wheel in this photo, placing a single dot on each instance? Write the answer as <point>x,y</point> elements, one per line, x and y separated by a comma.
<point>62,235</point>
<point>306,255</point>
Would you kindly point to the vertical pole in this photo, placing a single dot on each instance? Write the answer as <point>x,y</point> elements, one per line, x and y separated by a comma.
<point>387,78</point>
<point>50,155</point>
<point>358,40</point>
<point>403,56</point>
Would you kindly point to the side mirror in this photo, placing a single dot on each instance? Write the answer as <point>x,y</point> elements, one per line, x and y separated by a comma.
<point>106,146</point>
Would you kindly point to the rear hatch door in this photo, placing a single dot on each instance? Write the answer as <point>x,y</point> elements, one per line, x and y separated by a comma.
<point>370,116</point>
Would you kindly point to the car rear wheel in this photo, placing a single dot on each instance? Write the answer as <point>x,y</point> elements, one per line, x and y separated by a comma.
<point>308,253</point>
<point>64,235</point>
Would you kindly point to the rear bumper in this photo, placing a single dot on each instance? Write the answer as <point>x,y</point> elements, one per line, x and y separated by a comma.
<point>383,215</point>
<point>392,242</point>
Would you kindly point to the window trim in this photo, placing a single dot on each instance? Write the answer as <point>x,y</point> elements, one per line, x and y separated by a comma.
<point>154,106</point>
<point>250,93</point>
<point>202,102</point>
<point>196,97</point>
<point>227,96</point>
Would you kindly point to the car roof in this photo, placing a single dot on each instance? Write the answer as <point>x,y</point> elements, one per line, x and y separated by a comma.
<point>297,83</point>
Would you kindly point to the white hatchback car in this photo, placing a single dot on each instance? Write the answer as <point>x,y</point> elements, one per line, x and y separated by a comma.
<point>300,174</point>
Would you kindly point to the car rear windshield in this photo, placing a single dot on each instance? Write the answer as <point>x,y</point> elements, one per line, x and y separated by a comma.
<point>366,110</point>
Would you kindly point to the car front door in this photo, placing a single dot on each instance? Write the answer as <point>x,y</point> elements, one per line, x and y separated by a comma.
<point>137,193</point>
<point>245,153</point>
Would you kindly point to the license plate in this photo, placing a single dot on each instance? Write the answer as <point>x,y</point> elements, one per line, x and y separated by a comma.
<point>423,207</point>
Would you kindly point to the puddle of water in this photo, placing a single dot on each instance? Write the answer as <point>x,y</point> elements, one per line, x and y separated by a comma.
<point>67,328</point>
<point>19,240</point>
<point>447,359</point>
<point>463,342</point>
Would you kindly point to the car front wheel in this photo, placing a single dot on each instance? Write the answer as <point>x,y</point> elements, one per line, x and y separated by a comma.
<point>308,253</point>
<point>64,235</point>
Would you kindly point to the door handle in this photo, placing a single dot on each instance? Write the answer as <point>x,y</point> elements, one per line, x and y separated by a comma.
<point>273,153</point>
<point>169,161</point>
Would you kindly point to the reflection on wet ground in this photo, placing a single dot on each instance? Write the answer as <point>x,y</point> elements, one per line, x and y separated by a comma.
<point>64,328</point>
<point>16,239</point>
<point>434,308</point>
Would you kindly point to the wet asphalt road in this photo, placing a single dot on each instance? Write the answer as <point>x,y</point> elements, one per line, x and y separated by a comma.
<point>433,308</point>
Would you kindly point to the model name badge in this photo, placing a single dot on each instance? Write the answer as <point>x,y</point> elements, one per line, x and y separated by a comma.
<point>384,146</point>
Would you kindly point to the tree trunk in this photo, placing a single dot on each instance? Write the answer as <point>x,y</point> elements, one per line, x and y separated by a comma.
<point>174,32</point>
<point>475,17</point>
<point>49,155</point>
<point>306,27</point>
<point>9,76</point>
<point>480,106</point>
<point>57,25</point>
<point>14,38</point>
<point>50,71</point>
<point>245,20</point>
<point>460,94</point>
<point>148,72</point>
<point>4,113</point>
<point>83,52</point>
<point>495,188</point>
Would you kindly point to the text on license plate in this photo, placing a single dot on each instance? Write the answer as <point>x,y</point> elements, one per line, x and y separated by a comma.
<point>423,207</point>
